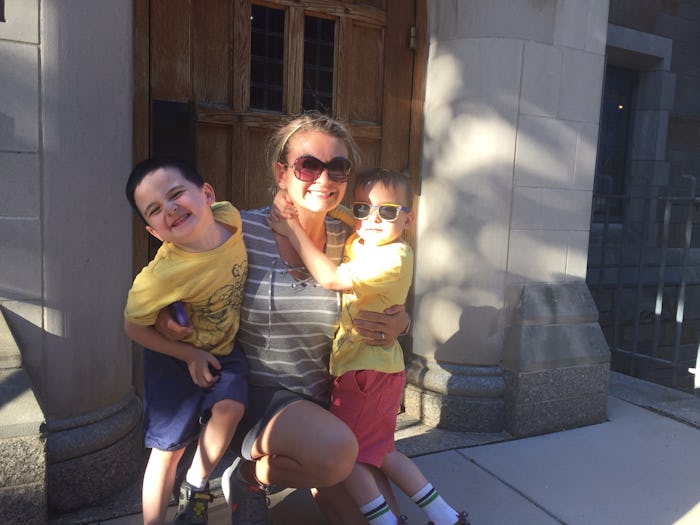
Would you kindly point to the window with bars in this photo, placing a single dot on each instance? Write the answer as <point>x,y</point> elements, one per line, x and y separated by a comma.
<point>266,58</point>
<point>319,43</point>
<point>267,61</point>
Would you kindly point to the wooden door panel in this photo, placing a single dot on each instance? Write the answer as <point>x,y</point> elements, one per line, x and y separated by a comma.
<point>367,67</point>
<point>170,70</point>
<point>214,159</point>
<point>213,50</point>
<point>398,88</point>
<point>259,181</point>
<point>199,52</point>
<point>371,151</point>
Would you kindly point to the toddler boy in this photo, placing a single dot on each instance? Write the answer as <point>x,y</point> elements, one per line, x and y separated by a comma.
<point>369,380</point>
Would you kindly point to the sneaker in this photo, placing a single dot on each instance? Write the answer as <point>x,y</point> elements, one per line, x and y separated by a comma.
<point>461,519</point>
<point>192,505</point>
<point>249,503</point>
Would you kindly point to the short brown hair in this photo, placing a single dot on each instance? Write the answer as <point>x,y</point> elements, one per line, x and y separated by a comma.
<point>389,178</point>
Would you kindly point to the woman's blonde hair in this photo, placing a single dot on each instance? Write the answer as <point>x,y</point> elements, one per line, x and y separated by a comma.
<point>310,121</point>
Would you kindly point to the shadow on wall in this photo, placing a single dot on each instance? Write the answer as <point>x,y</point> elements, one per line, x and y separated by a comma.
<point>505,199</point>
<point>479,327</point>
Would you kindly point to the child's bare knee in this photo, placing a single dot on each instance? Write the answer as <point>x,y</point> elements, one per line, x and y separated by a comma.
<point>228,410</point>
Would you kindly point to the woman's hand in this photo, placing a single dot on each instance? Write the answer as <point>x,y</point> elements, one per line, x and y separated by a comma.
<point>168,327</point>
<point>382,329</point>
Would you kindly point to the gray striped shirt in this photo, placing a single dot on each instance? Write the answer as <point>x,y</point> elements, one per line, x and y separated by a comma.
<point>287,324</point>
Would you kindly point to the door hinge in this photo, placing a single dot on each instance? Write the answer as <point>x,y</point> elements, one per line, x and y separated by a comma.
<point>412,38</point>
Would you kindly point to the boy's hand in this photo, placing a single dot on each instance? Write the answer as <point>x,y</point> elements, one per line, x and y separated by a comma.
<point>203,368</point>
<point>168,327</point>
<point>282,207</point>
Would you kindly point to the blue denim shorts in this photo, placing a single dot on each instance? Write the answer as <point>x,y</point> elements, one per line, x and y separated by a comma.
<point>175,408</point>
<point>265,403</point>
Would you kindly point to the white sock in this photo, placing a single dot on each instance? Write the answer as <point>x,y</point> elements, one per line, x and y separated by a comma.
<point>195,480</point>
<point>437,510</point>
<point>378,512</point>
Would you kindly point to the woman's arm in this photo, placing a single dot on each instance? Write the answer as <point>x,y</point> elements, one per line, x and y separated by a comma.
<point>382,328</point>
<point>169,328</point>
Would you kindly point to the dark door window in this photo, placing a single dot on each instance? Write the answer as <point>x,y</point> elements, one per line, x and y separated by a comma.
<point>614,141</point>
<point>266,58</point>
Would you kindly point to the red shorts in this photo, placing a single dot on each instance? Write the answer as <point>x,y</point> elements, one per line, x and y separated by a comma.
<point>368,401</point>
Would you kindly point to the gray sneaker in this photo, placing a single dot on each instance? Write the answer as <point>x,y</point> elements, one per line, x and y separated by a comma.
<point>248,503</point>
<point>193,505</point>
<point>462,519</point>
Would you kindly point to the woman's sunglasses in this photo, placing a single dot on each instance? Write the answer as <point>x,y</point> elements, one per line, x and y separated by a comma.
<point>308,168</point>
<point>388,212</point>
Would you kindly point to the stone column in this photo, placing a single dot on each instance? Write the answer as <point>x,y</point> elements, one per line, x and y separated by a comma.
<point>511,121</point>
<point>65,130</point>
<point>94,441</point>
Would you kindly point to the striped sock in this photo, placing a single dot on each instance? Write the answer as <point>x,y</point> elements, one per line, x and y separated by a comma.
<point>437,510</point>
<point>378,512</point>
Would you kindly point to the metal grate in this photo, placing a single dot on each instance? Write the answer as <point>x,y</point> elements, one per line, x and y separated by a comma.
<point>644,274</point>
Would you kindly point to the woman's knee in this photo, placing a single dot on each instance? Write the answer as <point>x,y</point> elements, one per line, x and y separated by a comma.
<point>317,442</point>
<point>335,459</point>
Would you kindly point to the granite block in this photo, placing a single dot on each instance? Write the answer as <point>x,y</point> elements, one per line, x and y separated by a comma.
<point>556,383</point>
<point>23,461</point>
<point>25,504</point>
<point>83,481</point>
<point>529,419</point>
<point>454,412</point>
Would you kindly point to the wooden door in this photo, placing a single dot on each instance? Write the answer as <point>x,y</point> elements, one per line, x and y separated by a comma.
<point>214,77</point>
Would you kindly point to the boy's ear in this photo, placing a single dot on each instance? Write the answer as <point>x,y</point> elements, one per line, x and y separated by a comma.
<point>209,192</point>
<point>154,233</point>
<point>410,218</point>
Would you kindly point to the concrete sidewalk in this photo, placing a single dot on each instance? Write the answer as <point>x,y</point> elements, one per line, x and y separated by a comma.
<point>640,467</point>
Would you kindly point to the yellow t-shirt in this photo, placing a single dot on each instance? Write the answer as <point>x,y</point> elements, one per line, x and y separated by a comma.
<point>211,284</point>
<point>381,277</point>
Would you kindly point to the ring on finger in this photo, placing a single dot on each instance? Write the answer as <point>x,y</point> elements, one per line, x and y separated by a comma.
<point>381,335</point>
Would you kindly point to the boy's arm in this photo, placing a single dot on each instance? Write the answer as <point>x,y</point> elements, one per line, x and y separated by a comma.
<point>325,271</point>
<point>197,360</point>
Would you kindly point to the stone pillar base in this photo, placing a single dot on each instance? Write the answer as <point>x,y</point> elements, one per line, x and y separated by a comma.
<point>22,439</point>
<point>555,400</point>
<point>455,397</point>
<point>93,456</point>
<point>22,451</point>
<point>556,359</point>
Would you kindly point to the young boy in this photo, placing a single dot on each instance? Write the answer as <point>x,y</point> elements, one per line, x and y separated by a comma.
<point>369,380</point>
<point>198,383</point>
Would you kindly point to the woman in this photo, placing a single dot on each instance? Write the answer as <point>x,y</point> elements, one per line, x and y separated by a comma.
<point>287,437</point>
